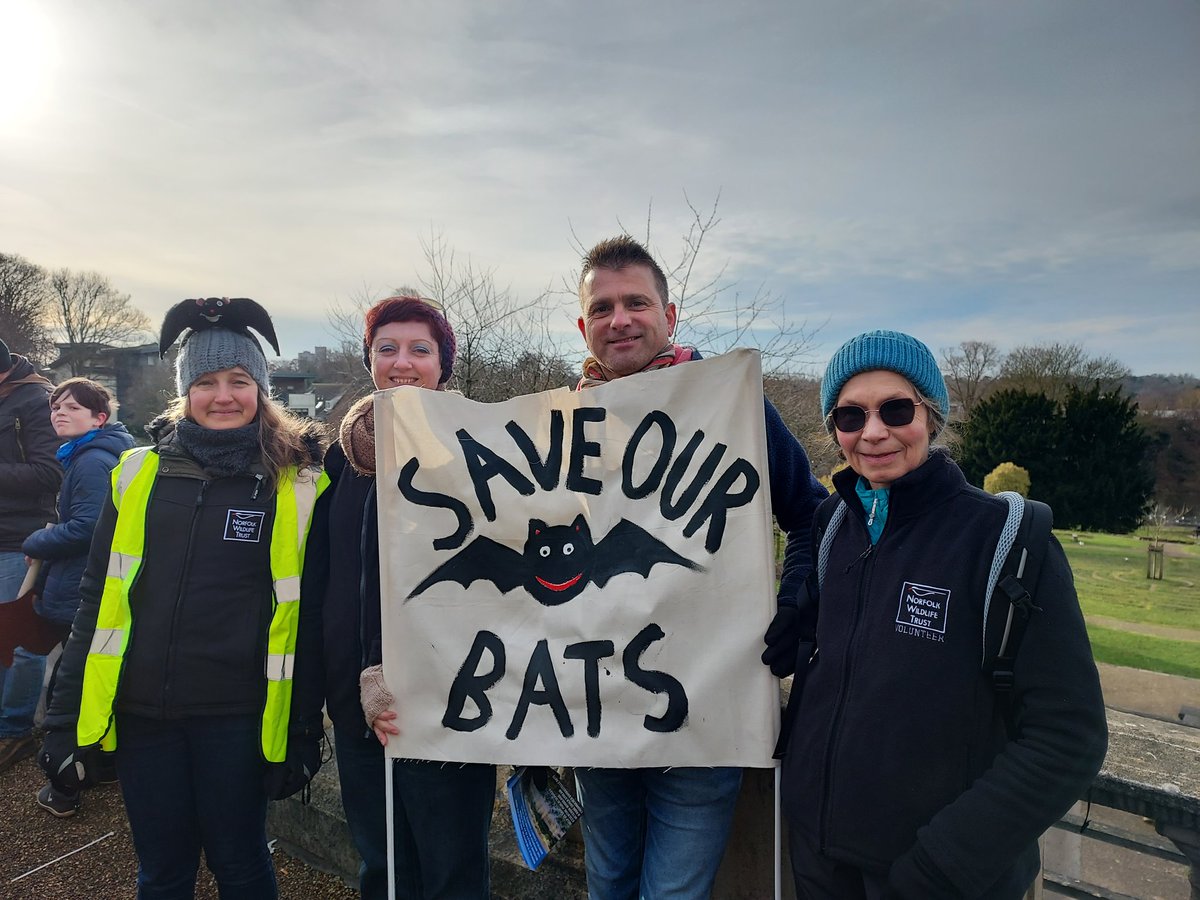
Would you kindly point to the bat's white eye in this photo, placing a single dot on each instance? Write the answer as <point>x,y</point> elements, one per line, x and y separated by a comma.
<point>568,549</point>
<point>543,551</point>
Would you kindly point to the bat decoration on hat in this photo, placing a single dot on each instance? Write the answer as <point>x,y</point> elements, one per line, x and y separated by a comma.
<point>238,314</point>
<point>558,561</point>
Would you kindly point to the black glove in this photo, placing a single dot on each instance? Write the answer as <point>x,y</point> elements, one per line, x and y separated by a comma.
<point>303,761</point>
<point>65,763</point>
<point>783,640</point>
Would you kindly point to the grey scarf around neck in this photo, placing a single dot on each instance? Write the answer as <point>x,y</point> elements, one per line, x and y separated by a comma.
<point>221,451</point>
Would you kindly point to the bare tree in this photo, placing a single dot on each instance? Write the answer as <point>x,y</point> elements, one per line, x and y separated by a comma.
<point>24,301</point>
<point>969,367</point>
<point>1051,369</point>
<point>714,314</point>
<point>504,346</point>
<point>88,310</point>
<point>798,399</point>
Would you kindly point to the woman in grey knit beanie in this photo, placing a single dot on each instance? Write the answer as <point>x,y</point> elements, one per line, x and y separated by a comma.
<point>200,656</point>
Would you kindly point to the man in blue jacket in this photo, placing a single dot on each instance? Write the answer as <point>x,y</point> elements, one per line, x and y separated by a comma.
<point>662,832</point>
<point>29,479</point>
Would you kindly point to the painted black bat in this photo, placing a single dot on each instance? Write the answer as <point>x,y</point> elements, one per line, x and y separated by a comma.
<point>237,314</point>
<point>558,561</point>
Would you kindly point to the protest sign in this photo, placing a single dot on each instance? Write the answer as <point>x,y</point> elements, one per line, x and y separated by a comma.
<point>580,578</point>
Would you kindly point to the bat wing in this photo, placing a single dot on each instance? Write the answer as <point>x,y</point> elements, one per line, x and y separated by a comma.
<point>239,314</point>
<point>184,314</point>
<point>481,560</point>
<point>244,313</point>
<point>631,548</point>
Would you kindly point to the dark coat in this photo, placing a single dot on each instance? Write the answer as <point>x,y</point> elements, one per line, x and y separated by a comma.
<point>201,604</point>
<point>898,760</point>
<point>350,609</point>
<point>29,473</point>
<point>65,546</point>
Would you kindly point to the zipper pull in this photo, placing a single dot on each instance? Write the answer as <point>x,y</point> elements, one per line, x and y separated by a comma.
<point>859,559</point>
<point>871,517</point>
<point>258,480</point>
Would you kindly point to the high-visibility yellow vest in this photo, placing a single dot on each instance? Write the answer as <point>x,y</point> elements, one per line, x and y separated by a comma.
<point>132,479</point>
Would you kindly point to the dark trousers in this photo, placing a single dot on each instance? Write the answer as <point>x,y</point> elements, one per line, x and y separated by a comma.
<point>443,812</point>
<point>195,784</point>
<point>818,877</point>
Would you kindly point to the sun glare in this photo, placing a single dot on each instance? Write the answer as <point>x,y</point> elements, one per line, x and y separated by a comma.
<point>28,56</point>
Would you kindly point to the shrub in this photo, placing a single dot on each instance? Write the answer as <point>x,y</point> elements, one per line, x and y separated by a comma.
<point>1007,477</point>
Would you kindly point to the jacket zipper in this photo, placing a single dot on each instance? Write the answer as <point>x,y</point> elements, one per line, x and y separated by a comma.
<point>266,644</point>
<point>20,444</point>
<point>859,609</point>
<point>187,565</point>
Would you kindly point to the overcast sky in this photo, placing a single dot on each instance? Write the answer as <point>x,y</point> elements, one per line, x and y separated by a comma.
<point>1020,171</point>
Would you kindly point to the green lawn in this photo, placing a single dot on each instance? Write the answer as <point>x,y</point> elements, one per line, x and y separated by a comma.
<point>1110,577</point>
<point>1139,651</point>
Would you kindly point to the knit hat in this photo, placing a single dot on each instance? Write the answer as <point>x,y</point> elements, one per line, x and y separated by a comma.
<point>214,349</point>
<point>891,350</point>
<point>6,361</point>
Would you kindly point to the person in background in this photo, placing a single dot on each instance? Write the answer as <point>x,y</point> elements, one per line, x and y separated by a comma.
<point>653,832</point>
<point>192,654</point>
<point>443,810</point>
<point>29,478</point>
<point>81,413</point>
<point>900,777</point>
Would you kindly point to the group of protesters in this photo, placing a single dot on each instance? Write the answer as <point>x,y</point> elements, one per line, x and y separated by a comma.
<point>219,594</point>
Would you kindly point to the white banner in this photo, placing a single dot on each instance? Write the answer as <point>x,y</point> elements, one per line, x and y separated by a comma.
<point>580,578</point>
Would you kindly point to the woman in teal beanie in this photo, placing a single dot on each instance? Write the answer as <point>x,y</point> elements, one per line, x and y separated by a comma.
<point>901,778</point>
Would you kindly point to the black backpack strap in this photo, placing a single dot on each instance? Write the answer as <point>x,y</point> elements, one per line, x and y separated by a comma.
<point>1013,602</point>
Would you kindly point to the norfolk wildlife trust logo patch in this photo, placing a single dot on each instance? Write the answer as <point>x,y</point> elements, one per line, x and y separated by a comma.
<point>922,611</point>
<point>244,525</point>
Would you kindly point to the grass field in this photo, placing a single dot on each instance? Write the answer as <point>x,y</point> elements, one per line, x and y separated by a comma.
<point>1140,651</point>
<point>1110,577</point>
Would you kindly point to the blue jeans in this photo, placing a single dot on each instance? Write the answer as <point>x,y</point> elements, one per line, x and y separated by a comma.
<point>190,784</point>
<point>443,813</point>
<point>655,834</point>
<point>20,685</point>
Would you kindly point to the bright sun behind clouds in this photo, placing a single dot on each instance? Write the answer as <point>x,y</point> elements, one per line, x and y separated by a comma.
<point>28,57</point>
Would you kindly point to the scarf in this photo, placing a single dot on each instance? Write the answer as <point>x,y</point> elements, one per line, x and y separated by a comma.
<point>220,451</point>
<point>357,436</point>
<point>67,450</point>
<point>595,372</point>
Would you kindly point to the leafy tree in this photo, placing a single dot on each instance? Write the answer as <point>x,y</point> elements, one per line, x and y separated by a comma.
<point>1007,477</point>
<point>1013,426</point>
<point>969,368</point>
<point>1106,482</point>
<point>24,297</point>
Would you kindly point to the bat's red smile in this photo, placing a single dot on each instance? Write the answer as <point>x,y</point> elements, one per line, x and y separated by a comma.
<point>550,585</point>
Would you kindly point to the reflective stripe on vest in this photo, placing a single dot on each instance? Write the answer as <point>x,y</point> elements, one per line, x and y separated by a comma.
<point>132,480</point>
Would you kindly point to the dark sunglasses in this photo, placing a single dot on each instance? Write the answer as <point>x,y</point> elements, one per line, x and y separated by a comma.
<point>893,413</point>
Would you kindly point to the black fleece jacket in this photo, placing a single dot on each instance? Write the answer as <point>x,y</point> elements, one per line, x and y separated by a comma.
<point>201,604</point>
<point>898,761</point>
<point>29,472</point>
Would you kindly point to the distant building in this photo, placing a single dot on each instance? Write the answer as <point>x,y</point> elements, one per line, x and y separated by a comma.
<point>120,369</point>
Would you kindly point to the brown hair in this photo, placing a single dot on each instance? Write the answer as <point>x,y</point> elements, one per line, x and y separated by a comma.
<point>87,393</point>
<point>618,253</point>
